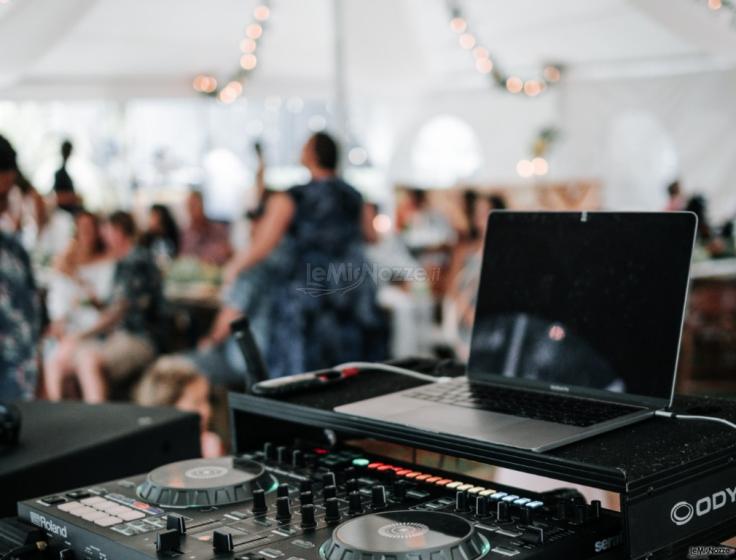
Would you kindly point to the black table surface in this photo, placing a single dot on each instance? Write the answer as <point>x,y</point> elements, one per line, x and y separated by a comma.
<point>632,456</point>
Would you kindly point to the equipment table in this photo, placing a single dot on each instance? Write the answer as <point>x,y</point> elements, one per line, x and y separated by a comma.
<point>676,478</point>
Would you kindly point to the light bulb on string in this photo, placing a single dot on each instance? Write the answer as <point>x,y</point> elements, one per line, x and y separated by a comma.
<point>467,41</point>
<point>514,84</point>
<point>248,45</point>
<point>551,73</point>
<point>525,168</point>
<point>540,166</point>
<point>484,65</point>
<point>458,24</point>
<point>262,12</point>
<point>254,31</point>
<point>248,61</point>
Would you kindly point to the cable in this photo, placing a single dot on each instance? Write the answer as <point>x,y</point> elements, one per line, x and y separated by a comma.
<point>22,551</point>
<point>668,414</point>
<point>393,369</point>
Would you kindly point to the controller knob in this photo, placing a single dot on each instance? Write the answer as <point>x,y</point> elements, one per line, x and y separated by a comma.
<point>297,459</point>
<point>283,509</point>
<point>176,522</point>
<point>268,451</point>
<point>281,454</point>
<point>308,520</point>
<point>332,510</point>
<point>378,497</point>
<point>481,506</point>
<point>167,541</point>
<point>329,492</point>
<point>355,503</point>
<point>259,501</point>
<point>282,490</point>
<point>222,542</point>
<point>461,501</point>
<point>328,479</point>
<point>595,509</point>
<point>580,514</point>
<point>306,498</point>
<point>502,511</point>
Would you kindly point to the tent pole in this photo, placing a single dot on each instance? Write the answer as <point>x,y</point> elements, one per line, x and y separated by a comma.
<point>340,86</point>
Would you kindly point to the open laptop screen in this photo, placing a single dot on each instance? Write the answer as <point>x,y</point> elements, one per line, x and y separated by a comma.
<point>585,303</point>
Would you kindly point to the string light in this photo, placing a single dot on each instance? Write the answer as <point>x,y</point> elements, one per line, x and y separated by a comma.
<point>254,31</point>
<point>358,156</point>
<point>540,166</point>
<point>262,12</point>
<point>467,41</point>
<point>525,168</point>
<point>208,85</point>
<point>718,5</point>
<point>382,223</point>
<point>483,63</point>
<point>532,88</point>
<point>552,74</point>
<point>458,24</point>
<point>248,45</point>
<point>514,84</point>
<point>204,83</point>
<point>481,52</point>
<point>248,61</point>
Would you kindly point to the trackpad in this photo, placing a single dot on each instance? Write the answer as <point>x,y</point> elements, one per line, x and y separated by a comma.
<point>456,420</point>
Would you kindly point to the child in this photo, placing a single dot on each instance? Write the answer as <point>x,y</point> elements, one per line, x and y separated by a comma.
<point>175,381</point>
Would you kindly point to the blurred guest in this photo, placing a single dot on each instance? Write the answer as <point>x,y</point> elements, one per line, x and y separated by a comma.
<point>66,197</point>
<point>121,341</point>
<point>708,243</point>
<point>162,235</point>
<point>463,276</point>
<point>174,381</point>
<point>20,314</point>
<point>204,239</point>
<point>327,303</point>
<point>675,199</point>
<point>82,279</point>
<point>403,289</point>
<point>421,225</point>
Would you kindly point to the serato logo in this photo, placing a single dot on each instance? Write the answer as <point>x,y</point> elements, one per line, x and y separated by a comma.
<point>206,472</point>
<point>48,525</point>
<point>606,544</point>
<point>408,530</point>
<point>683,512</point>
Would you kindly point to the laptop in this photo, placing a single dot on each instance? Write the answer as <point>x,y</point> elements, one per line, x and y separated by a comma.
<point>576,332</point>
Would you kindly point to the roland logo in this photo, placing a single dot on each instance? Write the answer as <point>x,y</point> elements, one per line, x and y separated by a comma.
<point>560,388</point>
<point>48,525</point>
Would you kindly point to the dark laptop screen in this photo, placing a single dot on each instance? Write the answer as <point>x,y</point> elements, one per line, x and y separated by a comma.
<point>583,302</point>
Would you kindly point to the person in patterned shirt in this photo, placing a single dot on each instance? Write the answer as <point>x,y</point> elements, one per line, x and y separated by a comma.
<point>123,341</point>
<point>20,310</point>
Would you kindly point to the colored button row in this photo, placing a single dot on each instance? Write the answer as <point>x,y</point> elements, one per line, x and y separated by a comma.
<point>431,479</point>
<point>456,485</point>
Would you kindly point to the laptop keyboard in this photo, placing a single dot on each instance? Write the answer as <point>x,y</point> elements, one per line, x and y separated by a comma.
<point>527,404</point>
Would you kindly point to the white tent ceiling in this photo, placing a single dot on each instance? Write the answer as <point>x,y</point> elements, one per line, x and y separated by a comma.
<point>109,48</point>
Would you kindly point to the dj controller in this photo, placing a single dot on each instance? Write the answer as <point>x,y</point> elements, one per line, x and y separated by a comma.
<point>309,503</point>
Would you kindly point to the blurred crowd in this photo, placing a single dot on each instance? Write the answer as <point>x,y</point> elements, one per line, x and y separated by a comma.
<point>88,303</point>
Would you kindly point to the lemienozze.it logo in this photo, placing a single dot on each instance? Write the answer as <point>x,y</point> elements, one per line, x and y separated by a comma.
<point>683,512</point>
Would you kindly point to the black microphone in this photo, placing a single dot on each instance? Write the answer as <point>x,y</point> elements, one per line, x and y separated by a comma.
<point>256,369</point>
